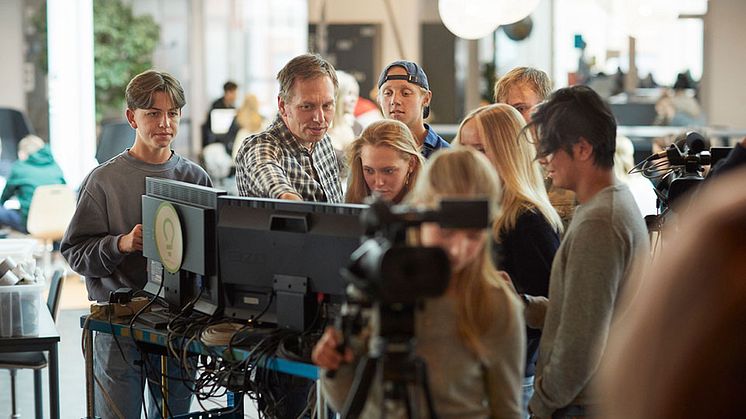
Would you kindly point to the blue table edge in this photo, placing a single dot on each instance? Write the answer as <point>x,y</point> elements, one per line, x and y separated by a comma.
<point>286,366</point>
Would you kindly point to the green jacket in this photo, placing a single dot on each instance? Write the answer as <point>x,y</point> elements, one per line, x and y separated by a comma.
<point>25,175</point>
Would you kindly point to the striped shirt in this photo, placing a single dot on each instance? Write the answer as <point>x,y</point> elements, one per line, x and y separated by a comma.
<point>273,162</point>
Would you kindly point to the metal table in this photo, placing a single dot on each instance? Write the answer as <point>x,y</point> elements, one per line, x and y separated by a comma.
<point>47,340</point>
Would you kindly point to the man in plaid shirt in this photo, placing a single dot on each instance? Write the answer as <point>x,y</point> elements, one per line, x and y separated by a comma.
<point>293,158</point>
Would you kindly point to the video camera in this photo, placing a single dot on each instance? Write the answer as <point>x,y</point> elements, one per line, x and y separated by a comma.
<point>386,269</point>
<point>686,158</point>
<point>676,172</point>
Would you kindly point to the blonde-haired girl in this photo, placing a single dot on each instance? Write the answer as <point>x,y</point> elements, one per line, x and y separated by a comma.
<point>526,232</point>
<point>384,160</point>
<point>471,337</point>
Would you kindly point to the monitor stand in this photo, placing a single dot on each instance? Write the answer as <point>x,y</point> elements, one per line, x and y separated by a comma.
<point>296,310</point>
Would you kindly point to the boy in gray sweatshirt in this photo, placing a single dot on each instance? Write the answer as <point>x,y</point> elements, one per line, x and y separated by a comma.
<point>103,242</point>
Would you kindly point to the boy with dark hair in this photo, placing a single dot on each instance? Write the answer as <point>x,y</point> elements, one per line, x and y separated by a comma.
<point>104,240</point>
<point>573,115</point>
<point>227,101</point>
<point>577,140</point>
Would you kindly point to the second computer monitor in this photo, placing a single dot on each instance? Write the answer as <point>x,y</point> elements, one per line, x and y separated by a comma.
<point>277,258</point>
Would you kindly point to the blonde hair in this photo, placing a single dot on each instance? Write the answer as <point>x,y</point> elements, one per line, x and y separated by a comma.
<point>248,116</point>
<point>533,78</point>
<point>29,145</point>
<point>346,83</point>
<point>510,149</point>
<point>384,133</point>
<point>624,157</point>
<point>464,173</point>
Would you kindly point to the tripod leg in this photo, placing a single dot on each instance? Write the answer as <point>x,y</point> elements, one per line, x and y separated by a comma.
<point>424,383</point>
<point>412,401</point>
<point>364,377</point>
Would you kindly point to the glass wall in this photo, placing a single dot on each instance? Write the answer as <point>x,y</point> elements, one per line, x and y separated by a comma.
<point>665,43</point>
<point>249,41</point>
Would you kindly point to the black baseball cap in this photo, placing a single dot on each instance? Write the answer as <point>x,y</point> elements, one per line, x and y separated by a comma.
<point>415,75</point>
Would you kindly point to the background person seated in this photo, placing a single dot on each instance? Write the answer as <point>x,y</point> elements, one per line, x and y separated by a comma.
<point>679,108</point>
<point>248,121</point>
<point>385,160</point>
<point>227,101</point>
<point>35,167</point>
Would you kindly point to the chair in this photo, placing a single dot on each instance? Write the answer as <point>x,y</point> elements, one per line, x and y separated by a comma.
<point>50,211</point>
<point>14,125</point>
<point>33,360</point>
<point>217,162</point>
<point>116,136</point>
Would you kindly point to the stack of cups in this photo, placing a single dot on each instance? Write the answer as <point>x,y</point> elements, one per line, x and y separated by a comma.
<point>7,276</point>
<point>11,273</point>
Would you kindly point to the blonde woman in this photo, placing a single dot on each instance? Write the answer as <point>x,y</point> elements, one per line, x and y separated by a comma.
<point>248,121</point>
<point>527,230</point>
<point>385,161</point>
<point>471,337</point>
<point>343,129</point>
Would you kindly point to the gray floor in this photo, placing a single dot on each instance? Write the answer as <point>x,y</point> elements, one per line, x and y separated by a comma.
<point>72,378</point>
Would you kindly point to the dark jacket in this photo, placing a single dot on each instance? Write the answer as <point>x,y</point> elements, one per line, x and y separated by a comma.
<point>526,254</point>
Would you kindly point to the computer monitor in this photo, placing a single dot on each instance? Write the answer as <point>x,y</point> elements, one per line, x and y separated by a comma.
<point>221,120</point>
<point>179,241</point>
<point>277,257</point>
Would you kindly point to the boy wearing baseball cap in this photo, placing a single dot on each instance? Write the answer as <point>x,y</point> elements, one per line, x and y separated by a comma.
<point>404,94</point>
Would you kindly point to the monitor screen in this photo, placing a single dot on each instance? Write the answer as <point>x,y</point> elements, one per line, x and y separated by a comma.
<point>221,120</point>
<point>179,242</point>
<point>277,257</point>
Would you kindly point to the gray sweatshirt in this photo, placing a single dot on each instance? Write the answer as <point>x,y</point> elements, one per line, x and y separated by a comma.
<point>589,270</point>
<point>109,206</point>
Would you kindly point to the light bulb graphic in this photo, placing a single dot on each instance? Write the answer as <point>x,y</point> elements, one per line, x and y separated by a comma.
<point>168,234</point>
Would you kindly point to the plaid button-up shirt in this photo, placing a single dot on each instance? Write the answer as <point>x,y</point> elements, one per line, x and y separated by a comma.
<point>273,162</point>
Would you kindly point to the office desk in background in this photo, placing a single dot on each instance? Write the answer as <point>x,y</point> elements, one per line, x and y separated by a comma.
<point>47,340</point>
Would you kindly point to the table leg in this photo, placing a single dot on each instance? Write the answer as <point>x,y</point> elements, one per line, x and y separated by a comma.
<point>54,383</point>
<point>164,383</point>
<point>38,397</point>
<point>89,385</point>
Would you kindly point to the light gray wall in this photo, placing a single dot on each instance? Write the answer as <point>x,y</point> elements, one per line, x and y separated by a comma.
<point>12,92</point>
<point>723,86</point>
<point>406,16</point>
